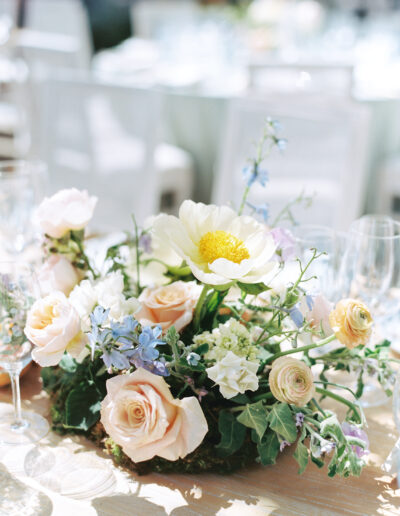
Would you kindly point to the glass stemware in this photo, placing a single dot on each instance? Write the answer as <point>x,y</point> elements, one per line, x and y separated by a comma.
<point>18,290</point>
<point>22,185</point>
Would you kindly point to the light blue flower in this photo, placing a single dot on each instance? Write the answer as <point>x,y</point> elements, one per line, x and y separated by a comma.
<point>260,209</point>
<point>193,358</point>
<point>296,316</point>
<point>253,173</point>
<point>124,332</point>
<point>99,316</point>
<point>116,359</point>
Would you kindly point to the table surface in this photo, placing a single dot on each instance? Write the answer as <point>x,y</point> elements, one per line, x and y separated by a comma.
<point>68,476</point>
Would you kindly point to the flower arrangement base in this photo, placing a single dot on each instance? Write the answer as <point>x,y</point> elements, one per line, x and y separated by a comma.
<point>203,459</point>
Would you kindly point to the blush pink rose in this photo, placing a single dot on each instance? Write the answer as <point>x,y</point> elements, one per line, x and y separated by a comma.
<point>171,305</point>
<point>57,273</point>
<point>53,326</point>
<point>69,209</point>
<point>318,316</point>
<point>140,415</point>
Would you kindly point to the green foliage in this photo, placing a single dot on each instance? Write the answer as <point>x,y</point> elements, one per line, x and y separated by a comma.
<point>232,434</point>
<point>267,447</point>
<point>282,422</point>
<point>253,288</point>
<point>301,456</point>
<point>82,407</point>
<point>255,416</point>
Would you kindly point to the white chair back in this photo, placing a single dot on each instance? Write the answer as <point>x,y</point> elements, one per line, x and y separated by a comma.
<point>326,153</point>
<point>150,17</point>
<point>85,146</point>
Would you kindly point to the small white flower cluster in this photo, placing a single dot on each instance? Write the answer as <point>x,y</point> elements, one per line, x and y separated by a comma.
<point>230,336</point>
<point>231,346</point>
<point>108,293</point>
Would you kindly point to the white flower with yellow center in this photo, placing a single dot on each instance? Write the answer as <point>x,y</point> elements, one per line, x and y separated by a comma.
<point>218,245</point>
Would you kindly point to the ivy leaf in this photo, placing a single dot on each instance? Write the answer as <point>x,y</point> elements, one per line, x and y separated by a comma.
<point>82,407</point>
<point>268,447</point>
<point>252,288</point>
<point>240,399</point>
<point>255,416</point>
<point>232,434</point>
<point>301,456</point>
<point>282,422</point>
<point>330,427</point>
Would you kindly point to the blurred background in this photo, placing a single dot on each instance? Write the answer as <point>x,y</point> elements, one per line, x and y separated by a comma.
<point>148,102</point>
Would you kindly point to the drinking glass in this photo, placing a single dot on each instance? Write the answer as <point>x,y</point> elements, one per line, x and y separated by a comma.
<point>396,415</point>
<point>18,289</point>
<point>367,272</point>
<point>22,185</point>
<point>331,243</point>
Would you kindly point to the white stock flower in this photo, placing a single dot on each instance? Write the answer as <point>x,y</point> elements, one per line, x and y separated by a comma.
<point>218,245</point>
<point>234,375</point>
<point>106,292</point>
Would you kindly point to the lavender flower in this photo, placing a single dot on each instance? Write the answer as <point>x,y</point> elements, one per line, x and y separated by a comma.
<point>283,445</point>
<point>145,243</point>
<point>201,393</point>
<point>353,431</point>
<point>285,243</point>
<point>299,419</point>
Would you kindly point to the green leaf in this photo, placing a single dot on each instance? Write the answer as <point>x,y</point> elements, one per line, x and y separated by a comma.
<point>202,349</point>
<point>320,463</point>
<point>301,456</point>
<point>68,364</point>
<point>255,416</point>
<point>268,447</point>
<point>82,407</point>
<point>330,427</point>
<point>240,399</point>
<point>282,422</point>
<point>232,434</point>
<point>252,288</point>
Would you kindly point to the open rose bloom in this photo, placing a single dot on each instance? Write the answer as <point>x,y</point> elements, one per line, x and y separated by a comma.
<point>170,305</point>
<point>140,414</point>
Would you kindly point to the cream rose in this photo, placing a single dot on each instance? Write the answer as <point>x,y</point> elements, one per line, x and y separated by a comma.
<point>140,415</point>
<point>171,305</point>
<point>53,326</point>
<point>351,322</point>
<point>291,381</point>
<point>69,209</point>
<point>57,273</point>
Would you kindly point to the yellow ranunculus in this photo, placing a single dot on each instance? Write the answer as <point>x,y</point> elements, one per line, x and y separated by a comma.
<point>352,323</point>
<point>291,381</point>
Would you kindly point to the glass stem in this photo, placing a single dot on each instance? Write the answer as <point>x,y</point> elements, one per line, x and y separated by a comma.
<point>16,394</point>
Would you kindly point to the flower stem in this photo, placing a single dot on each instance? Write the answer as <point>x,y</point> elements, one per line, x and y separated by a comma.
<point>199,307</point>
<point>138,287</point>
<point>340,399</point>
<point>303,348</point>
<point>244,199</point>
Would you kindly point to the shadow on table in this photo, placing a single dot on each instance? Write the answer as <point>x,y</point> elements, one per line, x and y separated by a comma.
<point>16,498</point>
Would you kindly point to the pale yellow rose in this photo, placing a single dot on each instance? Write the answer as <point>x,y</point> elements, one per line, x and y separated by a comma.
<point>291,381</point>
<point>57,273</point>
<point>351,322</point>
<point>140,415</point>
<point>68,209</point>
<point>170,305</point>
<point>53,326</point>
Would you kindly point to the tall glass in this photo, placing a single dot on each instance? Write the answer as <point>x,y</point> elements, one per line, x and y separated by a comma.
<point>368,270</point>
<point>18,289</point>
<point>22,187</point>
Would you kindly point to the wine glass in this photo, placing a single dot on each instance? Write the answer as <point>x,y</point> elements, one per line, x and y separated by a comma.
<point>367,273</point>
<point>396,415</point>
<point>22,185</point>
<point>18,289</point>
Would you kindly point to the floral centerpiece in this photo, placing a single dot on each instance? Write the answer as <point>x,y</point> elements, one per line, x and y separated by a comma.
<point>189,349</point>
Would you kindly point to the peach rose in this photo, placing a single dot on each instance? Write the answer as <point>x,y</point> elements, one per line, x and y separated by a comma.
<point>351,322</point>
<point>140,415</point>
<point>171,305</point>
<point>291,381</point>
<point>69,209</point>
<point>57,273</point>
<point>53,326</point>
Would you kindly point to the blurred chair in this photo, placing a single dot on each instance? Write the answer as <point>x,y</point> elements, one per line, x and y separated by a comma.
<point>302,77</point>
<point>58,25</point>
<point>150,17</point>
<point>325,155</point>
<point>85,146</point>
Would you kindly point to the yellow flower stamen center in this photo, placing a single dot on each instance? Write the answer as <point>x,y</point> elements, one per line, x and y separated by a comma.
<point>220,244</point>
